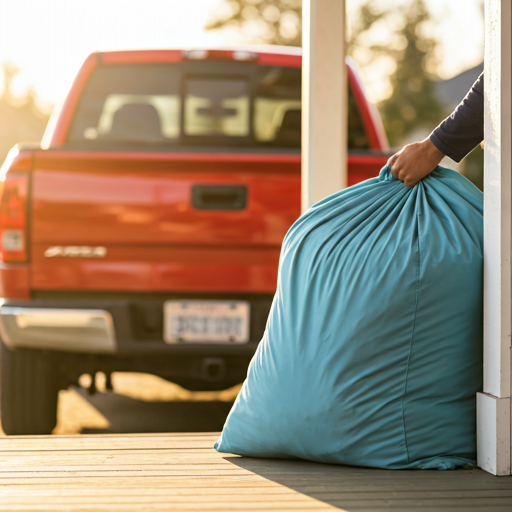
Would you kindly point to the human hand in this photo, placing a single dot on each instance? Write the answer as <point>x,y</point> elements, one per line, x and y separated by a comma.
<point>414,161</point>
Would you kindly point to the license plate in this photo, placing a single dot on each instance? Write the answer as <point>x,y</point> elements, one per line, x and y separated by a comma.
<point>195,321</point>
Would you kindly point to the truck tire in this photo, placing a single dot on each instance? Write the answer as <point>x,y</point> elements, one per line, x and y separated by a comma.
<point>28,392</point>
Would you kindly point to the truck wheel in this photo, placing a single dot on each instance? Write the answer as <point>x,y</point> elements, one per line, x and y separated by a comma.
<point>28,392</point>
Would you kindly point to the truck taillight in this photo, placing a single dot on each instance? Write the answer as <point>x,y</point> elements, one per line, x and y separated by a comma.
<point>13,217</point>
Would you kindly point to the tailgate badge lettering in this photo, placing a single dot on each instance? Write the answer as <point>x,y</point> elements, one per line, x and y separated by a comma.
<point>75,251</point>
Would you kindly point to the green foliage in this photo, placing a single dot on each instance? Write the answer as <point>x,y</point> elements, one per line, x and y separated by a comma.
<point>265,21</point>
<point>413,102</point>
<point>280,21</point>
<point>473,167</point>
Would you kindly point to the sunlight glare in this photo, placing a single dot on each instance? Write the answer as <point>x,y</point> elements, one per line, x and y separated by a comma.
<point>49,39</point>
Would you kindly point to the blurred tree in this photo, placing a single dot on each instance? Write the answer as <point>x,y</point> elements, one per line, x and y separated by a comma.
<point>265,21</point>
<point>413,102</point>
<point>21,120</point>
<point>9,71</point>
<point>280,21</point>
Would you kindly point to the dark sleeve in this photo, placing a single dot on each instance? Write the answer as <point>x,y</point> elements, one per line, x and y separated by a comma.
<point>460,133</point>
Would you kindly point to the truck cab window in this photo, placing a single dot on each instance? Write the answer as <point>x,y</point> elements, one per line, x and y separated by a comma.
<point>218,107</point>
<point>132,117</point>
<point>179,104</point>
<point>277,107</point>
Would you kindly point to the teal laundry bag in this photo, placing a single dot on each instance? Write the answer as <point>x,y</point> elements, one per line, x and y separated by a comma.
<point>372,353</point>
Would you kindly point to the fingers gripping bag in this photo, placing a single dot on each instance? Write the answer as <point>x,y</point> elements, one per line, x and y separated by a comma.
<point>372,353</point>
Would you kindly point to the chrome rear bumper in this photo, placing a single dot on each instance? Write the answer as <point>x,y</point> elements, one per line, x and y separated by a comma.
<point>67,330</point>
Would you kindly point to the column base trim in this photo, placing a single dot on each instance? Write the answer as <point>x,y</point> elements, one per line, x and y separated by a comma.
<point>493,434</point>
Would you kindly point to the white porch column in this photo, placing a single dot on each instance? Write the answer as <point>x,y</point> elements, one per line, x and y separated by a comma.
<point>324,100</point>
<point>493,405</point>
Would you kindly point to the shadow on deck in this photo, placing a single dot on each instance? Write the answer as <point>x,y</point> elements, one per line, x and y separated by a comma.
<point>128,415</point>
<point>371,490</point>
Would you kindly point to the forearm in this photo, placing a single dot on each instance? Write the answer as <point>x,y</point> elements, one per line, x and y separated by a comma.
<point>460,133</point>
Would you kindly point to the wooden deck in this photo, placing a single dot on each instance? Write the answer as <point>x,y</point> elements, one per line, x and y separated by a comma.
<point>183,472</point>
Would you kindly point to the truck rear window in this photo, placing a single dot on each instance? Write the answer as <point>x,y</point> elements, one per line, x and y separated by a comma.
<point>196,103</point>
<point>216,107</point>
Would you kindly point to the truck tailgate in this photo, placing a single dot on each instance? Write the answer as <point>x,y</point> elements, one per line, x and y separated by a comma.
<point>168,221</point>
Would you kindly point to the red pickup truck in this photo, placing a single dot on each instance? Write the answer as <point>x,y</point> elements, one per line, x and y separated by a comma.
<point>144,233</point>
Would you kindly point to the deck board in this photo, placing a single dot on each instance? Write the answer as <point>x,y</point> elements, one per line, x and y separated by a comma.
<point>129,473</point>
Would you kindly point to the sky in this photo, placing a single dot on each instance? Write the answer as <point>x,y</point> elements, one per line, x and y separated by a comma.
<point>49,39</point>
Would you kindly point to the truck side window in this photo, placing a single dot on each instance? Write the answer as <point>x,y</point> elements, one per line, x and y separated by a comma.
<point>357,137</point>
<point>277,107</point>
